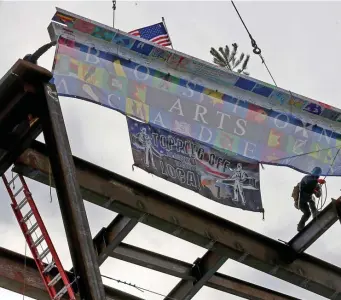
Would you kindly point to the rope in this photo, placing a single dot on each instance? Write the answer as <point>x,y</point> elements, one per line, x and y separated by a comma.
<point>23,295</point>
<point>138,288</point>
<point>50,182</point>
<point>113,12</point>
<point>306,153</point>
<point>322,204</point>
<point>13,181</point>
<point>256,49</point>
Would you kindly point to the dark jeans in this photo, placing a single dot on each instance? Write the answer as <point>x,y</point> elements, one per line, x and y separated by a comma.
<point>305,204</point>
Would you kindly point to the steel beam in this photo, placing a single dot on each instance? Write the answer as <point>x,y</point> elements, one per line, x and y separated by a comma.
<point>187,272</point>
<point>18,99</point>
<point>73,212</point>
<point>107,239</point>
<point>193,276</point>
<point>170,215</point>
<point>153,261</point>
<point>202,269</point>
<point>20,275</point>
<point>318,226</point>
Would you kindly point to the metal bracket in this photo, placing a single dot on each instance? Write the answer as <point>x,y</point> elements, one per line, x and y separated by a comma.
<point>109,202</point>
<point>274,270</point>
<point>334,296</point>
<point>196,270</point>
<point>304,283</point>
<point>142,218</point>
<point>243,257</point>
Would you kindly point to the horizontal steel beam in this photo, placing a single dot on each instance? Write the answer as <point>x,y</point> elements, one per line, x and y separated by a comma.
<point>317,227</point>
<point>19,97</point>
<point>202,272</point>
<point>170,215</point>
<point>21,275</point>
<point>187,272</point>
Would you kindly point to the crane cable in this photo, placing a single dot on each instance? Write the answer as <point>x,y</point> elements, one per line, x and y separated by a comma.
<point>256,49</point>
<point>322,204</point>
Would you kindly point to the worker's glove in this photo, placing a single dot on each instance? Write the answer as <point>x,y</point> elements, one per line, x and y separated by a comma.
<point>321,181</point>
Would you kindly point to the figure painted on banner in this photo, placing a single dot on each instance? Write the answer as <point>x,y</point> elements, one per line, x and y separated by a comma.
<point>309,186</point>
<point>239,177</point>
<point>146,141</point>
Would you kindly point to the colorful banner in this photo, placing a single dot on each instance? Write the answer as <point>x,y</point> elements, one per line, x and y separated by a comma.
<point>223,177</point>
<point>222,120</point>
<point>198,71</point>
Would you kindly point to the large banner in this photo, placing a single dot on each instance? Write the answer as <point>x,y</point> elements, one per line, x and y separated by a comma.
<point>234,113</point>
<point>222,177</point>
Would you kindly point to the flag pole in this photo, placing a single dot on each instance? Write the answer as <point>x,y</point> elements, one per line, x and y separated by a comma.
<point>113,13</point>
<point>164,23</point>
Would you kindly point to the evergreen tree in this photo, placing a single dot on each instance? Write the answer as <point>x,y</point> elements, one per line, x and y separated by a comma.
<point>228,59</point>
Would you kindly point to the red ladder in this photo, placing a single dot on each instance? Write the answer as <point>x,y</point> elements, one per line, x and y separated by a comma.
<point>41,258</point>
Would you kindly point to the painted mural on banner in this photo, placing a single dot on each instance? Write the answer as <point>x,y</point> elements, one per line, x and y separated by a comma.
<point>223,177</point>
<point>222,120</point>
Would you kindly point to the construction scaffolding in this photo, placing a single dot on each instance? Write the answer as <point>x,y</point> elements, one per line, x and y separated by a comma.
<point>25,93</point>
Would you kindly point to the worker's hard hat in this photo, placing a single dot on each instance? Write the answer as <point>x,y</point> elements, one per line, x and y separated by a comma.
<point>316,171</point>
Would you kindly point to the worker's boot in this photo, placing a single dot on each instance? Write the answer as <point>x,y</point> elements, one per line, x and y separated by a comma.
<point>315,213</point>
<point>300,227</point>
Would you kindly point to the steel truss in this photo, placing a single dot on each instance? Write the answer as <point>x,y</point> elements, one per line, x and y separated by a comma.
<point>26,95</point>
<point>224,239</point>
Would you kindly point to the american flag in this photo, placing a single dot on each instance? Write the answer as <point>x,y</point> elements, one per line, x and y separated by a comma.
<point>156,33</point>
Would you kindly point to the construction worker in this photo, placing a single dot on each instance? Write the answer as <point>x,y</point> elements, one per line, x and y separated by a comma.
<point>309,186</point>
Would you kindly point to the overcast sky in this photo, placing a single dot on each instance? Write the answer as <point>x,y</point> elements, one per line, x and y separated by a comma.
<point>300,41</point>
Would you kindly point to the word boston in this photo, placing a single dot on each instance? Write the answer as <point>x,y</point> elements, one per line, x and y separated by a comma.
<point>220,176</point>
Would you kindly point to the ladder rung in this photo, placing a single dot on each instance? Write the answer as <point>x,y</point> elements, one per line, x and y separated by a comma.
<point>22,203</point>
<point>55,280</point>
<point>49,267</point>
<point>44,253</point>
<point>14,178</point>
<point>27,216</point>
<point>18,191</point>
<point>60,293</point>
<point>38,241</point>
<point>33,228</point>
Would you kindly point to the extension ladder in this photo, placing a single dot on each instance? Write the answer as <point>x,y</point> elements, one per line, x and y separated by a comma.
<point>25,211</point>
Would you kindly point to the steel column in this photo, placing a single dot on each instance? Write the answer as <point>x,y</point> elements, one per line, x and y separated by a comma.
<point>70,199</point>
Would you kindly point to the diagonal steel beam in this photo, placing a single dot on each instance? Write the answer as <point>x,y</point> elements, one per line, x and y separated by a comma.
<point>20,275</point>
<point>108,238</point>
<point>202,269</point>
<point>175,217</point>
<point>186,271</point>
<point>317,227</point>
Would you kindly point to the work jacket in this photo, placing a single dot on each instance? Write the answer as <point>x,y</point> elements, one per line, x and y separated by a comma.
<point>307,186</point>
